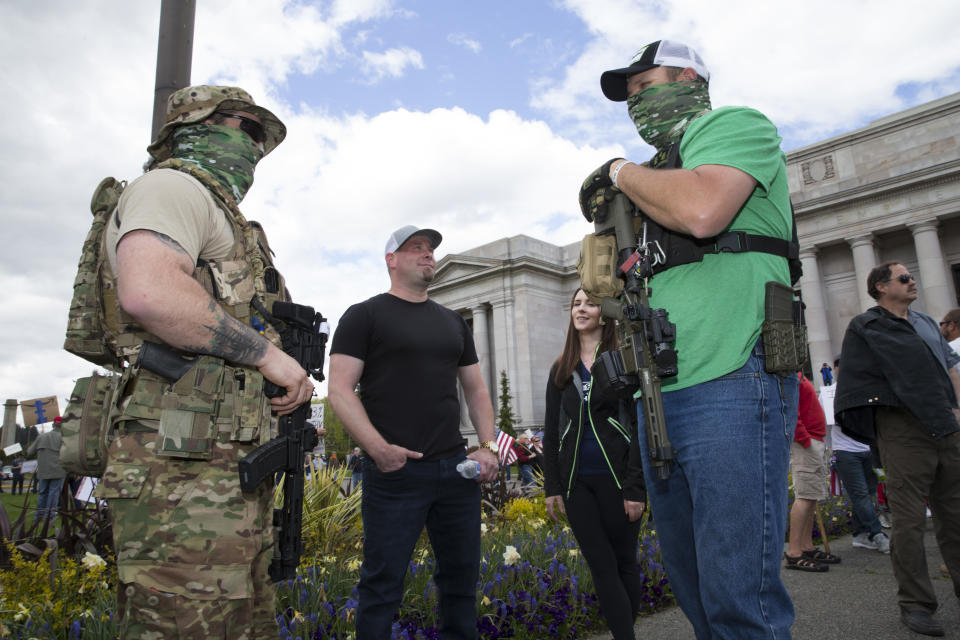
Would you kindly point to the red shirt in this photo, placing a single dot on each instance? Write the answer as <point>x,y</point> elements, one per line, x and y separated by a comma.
<point>811,421</point>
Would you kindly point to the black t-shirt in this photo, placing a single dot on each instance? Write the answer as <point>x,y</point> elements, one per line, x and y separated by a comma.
<point>412,352</point>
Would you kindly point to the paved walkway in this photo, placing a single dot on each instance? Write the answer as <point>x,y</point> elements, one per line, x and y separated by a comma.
<point>856,599</point>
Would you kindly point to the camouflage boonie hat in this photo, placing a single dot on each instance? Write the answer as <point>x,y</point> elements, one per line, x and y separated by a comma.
<point>193,104</point>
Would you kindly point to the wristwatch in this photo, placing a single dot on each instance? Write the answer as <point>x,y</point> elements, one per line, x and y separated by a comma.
<point>490,444</point>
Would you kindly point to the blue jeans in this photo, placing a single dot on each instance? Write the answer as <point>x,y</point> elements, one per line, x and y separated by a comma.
<point>395,507</point>
<point>48,497</point>
<point>721,515</point>
<point>526,475</point>
<point>860,480</point>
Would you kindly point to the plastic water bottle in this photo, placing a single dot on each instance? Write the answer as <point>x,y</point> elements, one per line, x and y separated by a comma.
<point>469,469</point>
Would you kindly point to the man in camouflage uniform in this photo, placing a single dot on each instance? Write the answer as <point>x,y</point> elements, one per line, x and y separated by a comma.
<point>717,176</point>
<point>188,271</point>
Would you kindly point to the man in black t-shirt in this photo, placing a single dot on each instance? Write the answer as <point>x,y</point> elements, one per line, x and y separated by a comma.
<point>407,353</point>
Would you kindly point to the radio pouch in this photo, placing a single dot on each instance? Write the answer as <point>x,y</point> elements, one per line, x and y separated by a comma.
<point>784,336</point>
<point>87,429</point>
<point>598,267</point>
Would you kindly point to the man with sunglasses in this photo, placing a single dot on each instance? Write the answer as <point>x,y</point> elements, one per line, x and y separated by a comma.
<point>899,388</point>
<point>950,328</point>
<point>187,270</point>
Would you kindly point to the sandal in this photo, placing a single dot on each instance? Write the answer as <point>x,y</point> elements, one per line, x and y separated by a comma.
<point>804,564</point>
<point>821,556</point>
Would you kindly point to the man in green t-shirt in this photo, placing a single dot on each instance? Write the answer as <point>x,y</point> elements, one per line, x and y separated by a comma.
<point>721,514</point>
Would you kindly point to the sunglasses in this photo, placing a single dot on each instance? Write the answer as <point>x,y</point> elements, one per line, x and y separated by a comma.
<point>903,278</point>
<point>248,125</point>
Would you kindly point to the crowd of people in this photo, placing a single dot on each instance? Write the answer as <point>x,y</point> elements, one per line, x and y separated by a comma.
<point>185,269</point>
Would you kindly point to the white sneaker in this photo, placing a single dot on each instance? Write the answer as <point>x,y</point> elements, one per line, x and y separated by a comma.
<point>863,541</point>
<point>884,520</point>
<point>882,541</point>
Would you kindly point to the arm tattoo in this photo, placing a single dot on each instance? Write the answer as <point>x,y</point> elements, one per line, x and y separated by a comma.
<point>168,241</point>
<point>231,340</point>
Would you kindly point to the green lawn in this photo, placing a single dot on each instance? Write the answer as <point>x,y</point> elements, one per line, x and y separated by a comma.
<point>14,503</point>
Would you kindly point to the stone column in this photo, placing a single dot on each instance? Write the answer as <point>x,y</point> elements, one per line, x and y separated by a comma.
<point>505,349</point>
<point>9,435</point>
<point>482,342</point>
<point>818,334</point>
<point>937,294</point>
<point>864,259</point>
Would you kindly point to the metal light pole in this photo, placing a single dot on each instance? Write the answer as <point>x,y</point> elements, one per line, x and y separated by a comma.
<point>174,55</point>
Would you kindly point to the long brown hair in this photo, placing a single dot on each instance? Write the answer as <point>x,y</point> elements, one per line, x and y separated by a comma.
<point>570,356</point>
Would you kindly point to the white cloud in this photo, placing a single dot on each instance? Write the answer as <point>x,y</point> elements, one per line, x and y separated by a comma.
<point>516,42</point>
<point>392,63</point>
<point>817,67</point>
<point>463,40</point>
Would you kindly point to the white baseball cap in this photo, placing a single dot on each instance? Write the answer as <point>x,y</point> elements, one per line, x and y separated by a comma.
<point>401,235</point>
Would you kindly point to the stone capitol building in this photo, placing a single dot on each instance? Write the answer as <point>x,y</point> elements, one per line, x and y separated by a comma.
<point>887,192</point>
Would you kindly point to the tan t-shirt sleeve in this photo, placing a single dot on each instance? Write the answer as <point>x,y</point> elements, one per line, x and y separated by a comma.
<point>177,205</point>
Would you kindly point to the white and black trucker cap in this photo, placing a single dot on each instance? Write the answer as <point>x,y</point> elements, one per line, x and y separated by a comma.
<point>662,53</point>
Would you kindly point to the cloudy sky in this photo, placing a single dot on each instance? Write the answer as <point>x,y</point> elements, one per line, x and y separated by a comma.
<point>479,119</point>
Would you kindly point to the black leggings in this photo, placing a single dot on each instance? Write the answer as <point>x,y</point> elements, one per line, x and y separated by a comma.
<point>608,542</point>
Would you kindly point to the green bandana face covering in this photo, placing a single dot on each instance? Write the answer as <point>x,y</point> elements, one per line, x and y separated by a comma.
<point>226,153</point>
<point>663,112</point>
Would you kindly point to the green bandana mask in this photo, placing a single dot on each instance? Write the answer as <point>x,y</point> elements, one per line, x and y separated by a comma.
<point>663,112</point>
<point>226,153</point>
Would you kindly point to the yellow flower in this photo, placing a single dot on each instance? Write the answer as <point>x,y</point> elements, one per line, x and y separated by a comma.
<point>510,555</point>
<point>354,564</point>
<point>483,528</point>
<point>485,602</point>
<point>573,553</point>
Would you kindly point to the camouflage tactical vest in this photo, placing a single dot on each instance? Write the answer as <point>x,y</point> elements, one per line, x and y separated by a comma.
<point>233,282</point>
<point>214,400</point>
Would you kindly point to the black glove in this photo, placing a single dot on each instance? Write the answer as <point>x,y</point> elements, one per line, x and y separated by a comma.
<point>596,191</point>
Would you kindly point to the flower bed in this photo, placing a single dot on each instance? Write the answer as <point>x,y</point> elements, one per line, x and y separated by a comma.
<point>533,584</point>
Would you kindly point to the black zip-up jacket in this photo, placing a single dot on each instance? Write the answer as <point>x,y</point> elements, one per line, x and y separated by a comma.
<point>886,363</point>
<point>562,434</point>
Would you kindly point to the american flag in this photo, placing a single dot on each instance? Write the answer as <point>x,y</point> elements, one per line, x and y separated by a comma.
<point>505,447</point>
<point>836,487</point>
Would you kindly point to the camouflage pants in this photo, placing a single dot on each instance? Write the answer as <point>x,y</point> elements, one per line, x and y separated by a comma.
<point>192,550</point>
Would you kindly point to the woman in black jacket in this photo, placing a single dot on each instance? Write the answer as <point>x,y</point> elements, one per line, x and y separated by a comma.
<point>592,467</point>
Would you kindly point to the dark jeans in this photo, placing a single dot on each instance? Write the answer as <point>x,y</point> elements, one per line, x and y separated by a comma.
<point>919,468</point>
<point>395,508</point>
<point>860,480</point>
<point>608,542</point>
<point>17,486</point>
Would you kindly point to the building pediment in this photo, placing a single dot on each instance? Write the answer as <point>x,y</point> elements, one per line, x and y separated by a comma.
<point>455,266</point>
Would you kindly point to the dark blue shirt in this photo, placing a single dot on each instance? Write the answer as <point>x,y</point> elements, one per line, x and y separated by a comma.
<point>592,462</point>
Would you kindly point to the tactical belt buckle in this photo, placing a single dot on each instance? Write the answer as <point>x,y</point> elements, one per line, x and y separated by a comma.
<point>732,242</point>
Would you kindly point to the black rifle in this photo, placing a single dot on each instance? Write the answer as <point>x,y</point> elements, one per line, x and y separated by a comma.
<point>646,351</point>
<point>303,333</point>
